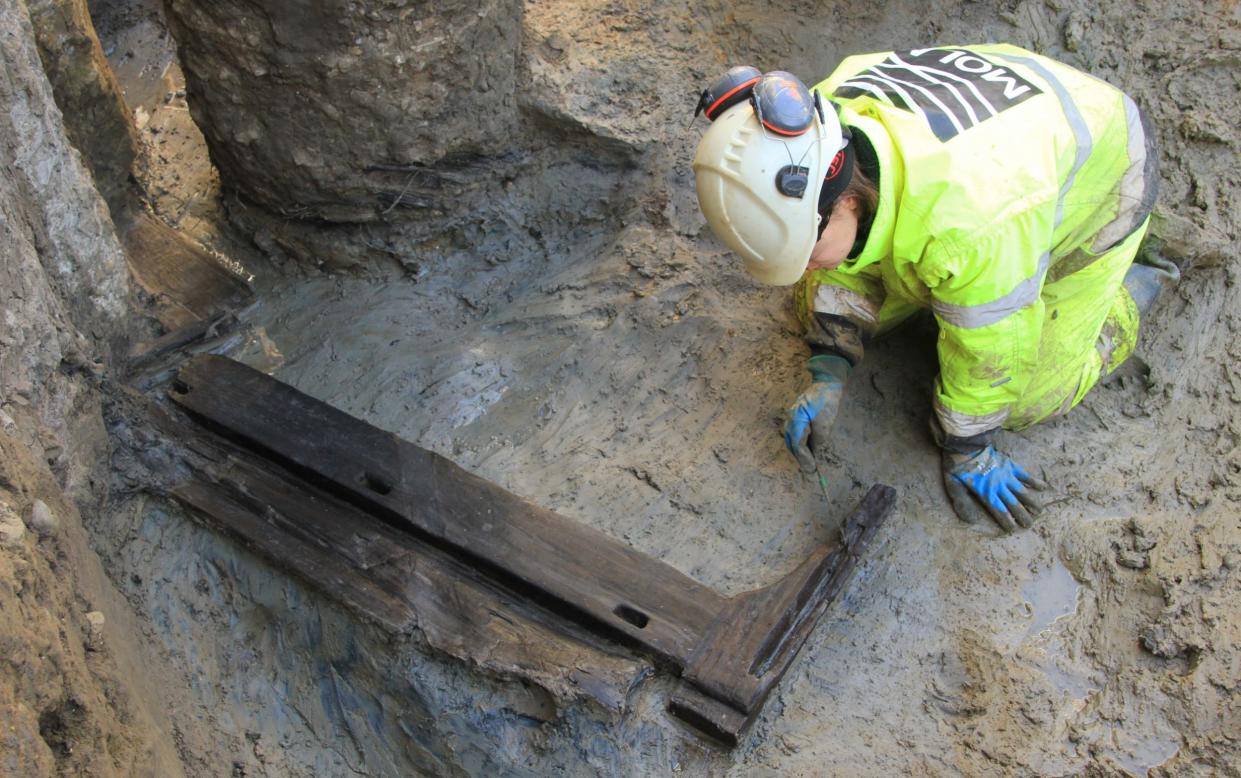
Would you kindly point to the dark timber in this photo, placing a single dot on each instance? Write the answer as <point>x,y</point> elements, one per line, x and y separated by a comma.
<point>731,651</point>
<point>188,283</point>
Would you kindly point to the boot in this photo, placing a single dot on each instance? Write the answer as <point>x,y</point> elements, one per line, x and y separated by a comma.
<point>1149,275</point>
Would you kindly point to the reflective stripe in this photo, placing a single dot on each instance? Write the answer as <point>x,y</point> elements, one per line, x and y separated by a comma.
<point>1136,148</point>
<point>1069,401</point>
<point>1077,123</point>
<point>1135,194</point>
<point>1105,345</point>
<point>970,317</point>
<point>964,425</point>
<point>838,301</point>
<point>1026,292</point>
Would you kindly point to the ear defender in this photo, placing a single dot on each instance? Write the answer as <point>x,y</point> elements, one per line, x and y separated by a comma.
<point>783,104</point>
<point>786,108</point>
<point>728,90</point>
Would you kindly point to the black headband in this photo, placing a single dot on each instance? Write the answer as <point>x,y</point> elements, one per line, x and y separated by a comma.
<point>837,178</point>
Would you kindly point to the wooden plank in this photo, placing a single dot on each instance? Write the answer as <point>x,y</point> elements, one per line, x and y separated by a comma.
<point>157,362</point>
<point>497,631</point>
<point>565,563</point>
<point>236,520</point>
<point>188,283</point>
<point>709,716</point>
<point>741,666</point>
<point>456,611</point>
<point>143,354</point>
<point>313,517</point>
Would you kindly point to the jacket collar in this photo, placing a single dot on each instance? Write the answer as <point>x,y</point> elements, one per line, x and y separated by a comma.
<point>891,181</point>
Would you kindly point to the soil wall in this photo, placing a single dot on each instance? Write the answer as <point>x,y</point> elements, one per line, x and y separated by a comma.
<point>363,88</point>
<point>76,685</point>
<point>97,121</point>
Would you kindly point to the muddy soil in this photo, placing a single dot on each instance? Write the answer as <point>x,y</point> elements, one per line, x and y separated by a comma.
<point>180,184</point>
<point>598,353</point>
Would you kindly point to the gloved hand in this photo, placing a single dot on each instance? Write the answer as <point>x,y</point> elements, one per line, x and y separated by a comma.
<point>815,409</point>
<point>988,478</point>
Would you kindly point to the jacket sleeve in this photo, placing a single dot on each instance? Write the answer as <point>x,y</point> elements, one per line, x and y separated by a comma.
<point>840,312</point>
<point>985,292</point>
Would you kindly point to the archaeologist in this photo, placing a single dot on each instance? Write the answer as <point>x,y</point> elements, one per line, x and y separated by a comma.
<point>1005,192</point>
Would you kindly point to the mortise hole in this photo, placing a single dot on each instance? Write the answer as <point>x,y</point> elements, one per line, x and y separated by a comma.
<point>632,615</point>
<point>375,483</point>
<point>180,387</point>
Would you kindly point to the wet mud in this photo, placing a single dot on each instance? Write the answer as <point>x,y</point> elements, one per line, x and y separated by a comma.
<point>597,352</point>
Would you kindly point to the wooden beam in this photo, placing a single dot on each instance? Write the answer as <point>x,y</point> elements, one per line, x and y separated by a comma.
<point>733,651</point>
<point>187,282</point>
<point>390,578</point>
<point>566,563</point>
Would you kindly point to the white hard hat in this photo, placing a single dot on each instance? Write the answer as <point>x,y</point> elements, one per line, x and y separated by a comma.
<point>758,184</point>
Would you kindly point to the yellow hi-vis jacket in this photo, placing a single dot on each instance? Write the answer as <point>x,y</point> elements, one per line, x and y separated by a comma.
<point>1013,193</point>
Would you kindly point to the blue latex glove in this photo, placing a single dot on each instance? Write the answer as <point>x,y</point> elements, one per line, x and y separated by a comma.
<point>815,409</point>
<point>989,479</point>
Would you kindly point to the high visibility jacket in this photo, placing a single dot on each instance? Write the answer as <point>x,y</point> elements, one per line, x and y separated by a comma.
<point>1000,172</point>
